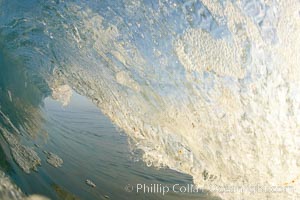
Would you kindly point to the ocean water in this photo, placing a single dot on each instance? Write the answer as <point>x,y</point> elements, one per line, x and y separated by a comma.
<point>91,148</point>
<point>209,89</point>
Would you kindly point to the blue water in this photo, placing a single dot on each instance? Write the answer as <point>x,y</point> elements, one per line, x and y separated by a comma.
<point>92,148</point>
<point>40,38</point>
<point>88,45</point>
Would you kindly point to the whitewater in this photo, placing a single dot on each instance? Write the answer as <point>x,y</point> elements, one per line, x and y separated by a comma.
<point>206,88</point>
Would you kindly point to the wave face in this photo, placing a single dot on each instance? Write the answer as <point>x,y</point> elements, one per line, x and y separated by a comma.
<point>207,88</point>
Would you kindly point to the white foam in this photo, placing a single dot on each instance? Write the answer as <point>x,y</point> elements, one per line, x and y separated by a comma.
<point>223,109</point>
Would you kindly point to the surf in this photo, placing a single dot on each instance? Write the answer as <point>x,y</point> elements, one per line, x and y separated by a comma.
<point>206,88</point>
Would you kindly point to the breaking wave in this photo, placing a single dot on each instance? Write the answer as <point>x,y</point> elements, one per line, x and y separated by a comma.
<point>207,88</point>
